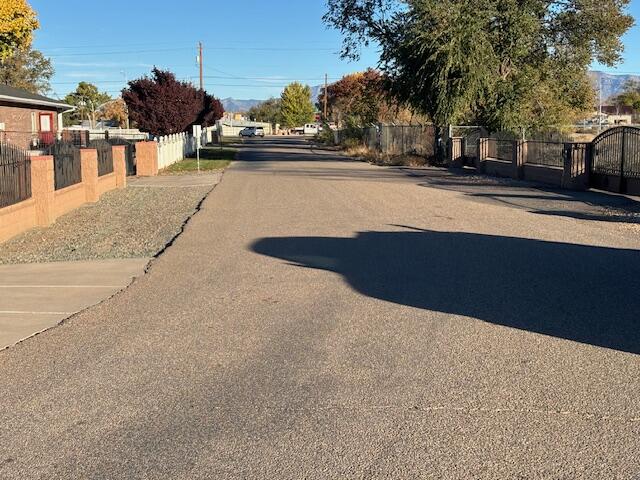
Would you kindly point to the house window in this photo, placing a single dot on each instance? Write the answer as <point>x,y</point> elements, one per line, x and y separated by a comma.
<point>46,122</point>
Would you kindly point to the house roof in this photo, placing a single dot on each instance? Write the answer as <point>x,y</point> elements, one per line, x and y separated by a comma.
<point>17,95</point>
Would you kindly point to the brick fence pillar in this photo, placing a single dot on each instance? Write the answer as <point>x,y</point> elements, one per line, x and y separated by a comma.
<point>577,165</point>
<point>120,165</point>
<point>89,162</point>
<point>146,159</point>
<point>43,188</point>
<point>456,159</point>
<point>481,154</point>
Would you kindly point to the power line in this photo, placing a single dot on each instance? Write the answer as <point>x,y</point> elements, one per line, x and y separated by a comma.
<point>271,79</point>
<point>161,50</point>
<point>111,46</point>
<point>218,77</point>
<point>86,54</point>
<point>329,46</point>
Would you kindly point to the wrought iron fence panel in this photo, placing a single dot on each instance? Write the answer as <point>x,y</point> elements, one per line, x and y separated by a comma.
<point>500,149</point>
<point>579,153</point>
<point>471,134</point>
<point>549,154</point>
<point>15,174</point>
<point>67,169</point>
<point>105,156</point>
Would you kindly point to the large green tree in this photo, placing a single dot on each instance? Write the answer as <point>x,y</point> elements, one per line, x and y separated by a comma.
<point>505,63</point>
<point>267,111</point>
<point>296,106</point>
<point>87,99</point>
<point>27,69</point>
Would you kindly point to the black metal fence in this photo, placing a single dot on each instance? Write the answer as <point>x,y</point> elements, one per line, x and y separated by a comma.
<point>500,149</point>
<point>549,154</point>
<point>67,168</point>
<point>105,156</point>
<point>471,135</point>
<point>15,175</point>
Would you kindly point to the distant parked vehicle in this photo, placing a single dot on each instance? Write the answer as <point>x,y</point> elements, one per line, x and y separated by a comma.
<point>311,129</point>
<point>252,132</point>
<point>297,131</point>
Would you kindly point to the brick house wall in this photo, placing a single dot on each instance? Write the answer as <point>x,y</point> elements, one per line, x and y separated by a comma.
<point>22,123</point>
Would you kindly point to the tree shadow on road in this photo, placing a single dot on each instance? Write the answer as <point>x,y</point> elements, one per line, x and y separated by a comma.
<point>582,293</point>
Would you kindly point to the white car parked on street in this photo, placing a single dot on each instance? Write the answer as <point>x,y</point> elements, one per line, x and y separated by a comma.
<point>252,132</point>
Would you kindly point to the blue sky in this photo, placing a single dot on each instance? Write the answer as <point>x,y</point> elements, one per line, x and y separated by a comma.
<point>252,48</point>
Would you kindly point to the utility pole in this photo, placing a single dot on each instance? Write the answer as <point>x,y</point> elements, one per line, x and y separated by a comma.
<point>200,63</point>
<point>126,108</point>
<point>326,79</point>
<point>600,103</point>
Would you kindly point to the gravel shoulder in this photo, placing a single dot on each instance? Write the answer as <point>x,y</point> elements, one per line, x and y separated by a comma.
<point>137,221</point>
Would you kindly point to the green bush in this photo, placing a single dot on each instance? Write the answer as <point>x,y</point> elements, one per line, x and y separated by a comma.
<point>326,135</point>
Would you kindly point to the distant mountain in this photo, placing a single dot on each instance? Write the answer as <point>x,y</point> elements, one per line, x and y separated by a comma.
<point>235,105</point>
<point>315,93</point>
<point>612,84</point>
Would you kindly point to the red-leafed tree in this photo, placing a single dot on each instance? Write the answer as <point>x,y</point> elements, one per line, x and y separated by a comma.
<point>162,105</point>
<point>212,110</point>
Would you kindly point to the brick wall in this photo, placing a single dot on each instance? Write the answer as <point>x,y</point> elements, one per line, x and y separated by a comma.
<point>46,204</point>
<point>18,128</point>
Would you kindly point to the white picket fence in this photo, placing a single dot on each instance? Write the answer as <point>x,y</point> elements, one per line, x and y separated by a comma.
<point>173,148</point>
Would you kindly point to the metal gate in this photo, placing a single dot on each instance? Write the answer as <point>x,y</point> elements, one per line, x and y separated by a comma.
<point>130,152</point>
<point>615,163</point>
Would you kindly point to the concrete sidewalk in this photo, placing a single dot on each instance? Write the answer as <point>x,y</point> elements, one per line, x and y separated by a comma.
<point>35,297</point>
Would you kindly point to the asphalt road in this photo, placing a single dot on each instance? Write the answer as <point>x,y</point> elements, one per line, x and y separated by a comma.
<point>323,318</point>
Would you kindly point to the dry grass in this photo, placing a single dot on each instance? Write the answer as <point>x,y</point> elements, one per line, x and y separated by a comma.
<point>376,158</point>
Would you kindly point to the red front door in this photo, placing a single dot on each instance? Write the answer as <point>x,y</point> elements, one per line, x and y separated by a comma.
<point>45,128</point>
